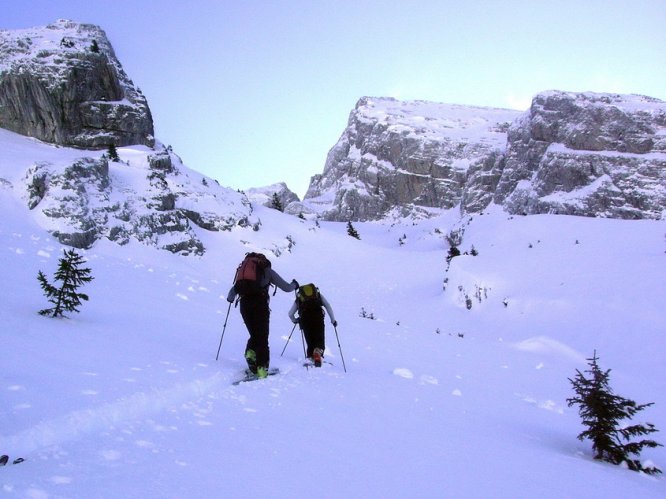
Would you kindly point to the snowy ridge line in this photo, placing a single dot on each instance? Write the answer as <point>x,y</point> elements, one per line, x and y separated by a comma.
<point>77,424</point>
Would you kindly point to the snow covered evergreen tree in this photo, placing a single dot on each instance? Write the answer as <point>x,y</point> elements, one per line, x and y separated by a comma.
<point>601,411</point>
<point>65,298</point>
<point>112,152</point>
<point>276,204</point>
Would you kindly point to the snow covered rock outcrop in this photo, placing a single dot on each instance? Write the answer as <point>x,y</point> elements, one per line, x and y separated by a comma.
<point>583,154</point>
<point>411,155</point>
<point>587,154</point>
<point>149,196</point>
<point>63,84</point>
<point>265,195</point>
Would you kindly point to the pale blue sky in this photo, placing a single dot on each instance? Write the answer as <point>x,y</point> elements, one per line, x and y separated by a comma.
<point>256,92</point>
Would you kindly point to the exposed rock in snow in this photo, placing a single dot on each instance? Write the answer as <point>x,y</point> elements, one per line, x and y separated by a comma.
<point>63,84</point>
<point>148,196</point>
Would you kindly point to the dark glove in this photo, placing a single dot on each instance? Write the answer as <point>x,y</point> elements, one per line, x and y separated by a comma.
<point>294,282</point>
<point>295,320</point>
<point>335,323</point>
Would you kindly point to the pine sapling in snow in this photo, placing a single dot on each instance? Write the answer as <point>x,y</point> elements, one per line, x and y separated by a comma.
<point>65,298</point>
<point>112,152</point>
<point>602,411</point>
<point>352,231</point>
<point>276,204</point>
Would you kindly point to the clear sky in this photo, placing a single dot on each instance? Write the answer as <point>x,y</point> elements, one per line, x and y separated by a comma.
<point>256,92</point>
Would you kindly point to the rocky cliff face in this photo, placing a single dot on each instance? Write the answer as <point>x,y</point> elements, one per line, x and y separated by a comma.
<point>587,154</point>
<point>63,84</point>
<point>410,155</point>
<point>584,154</point>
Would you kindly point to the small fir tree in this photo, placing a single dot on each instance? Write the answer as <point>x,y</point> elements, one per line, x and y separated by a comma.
<point>113,153</point>
<point>276,204</point>
<point>601,411</point>
<point>352,231</point>
<point>65,298</point>
<point>453,252</point>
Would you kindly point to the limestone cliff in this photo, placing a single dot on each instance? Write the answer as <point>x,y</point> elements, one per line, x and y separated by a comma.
<point>571,153</point>
<point>587,154</point>
<point>63,84</point>
<point>411,156</point>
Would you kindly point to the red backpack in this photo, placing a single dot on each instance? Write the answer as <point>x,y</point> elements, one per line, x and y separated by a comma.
<point>250,274</point>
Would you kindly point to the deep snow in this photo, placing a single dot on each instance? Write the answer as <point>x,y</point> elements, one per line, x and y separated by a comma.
<point>126,399</point>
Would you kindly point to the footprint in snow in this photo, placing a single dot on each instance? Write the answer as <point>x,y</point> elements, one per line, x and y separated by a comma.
<point>548,405</point>
<point>403,372</point>
<point>429,380</point>
<point>424,379</point>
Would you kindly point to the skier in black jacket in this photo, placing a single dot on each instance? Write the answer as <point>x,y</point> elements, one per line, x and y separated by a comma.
<point>309,302</point>
<point>256,315</point>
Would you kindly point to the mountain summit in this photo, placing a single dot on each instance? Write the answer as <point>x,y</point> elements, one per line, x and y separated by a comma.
<point>63,84</point>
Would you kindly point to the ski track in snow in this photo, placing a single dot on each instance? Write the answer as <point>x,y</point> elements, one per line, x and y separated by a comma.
<point>144,405</point>
<point>194,397</point>
<point>141,405</point>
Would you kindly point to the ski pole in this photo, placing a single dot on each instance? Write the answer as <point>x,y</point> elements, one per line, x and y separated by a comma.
<point>223,330</point>
<point>288,339</point>
<point>340,348</point>
<point>305,353</point>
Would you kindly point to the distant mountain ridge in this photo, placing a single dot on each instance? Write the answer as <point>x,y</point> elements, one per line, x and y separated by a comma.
<point>599,155</point>
<point>584,154</point>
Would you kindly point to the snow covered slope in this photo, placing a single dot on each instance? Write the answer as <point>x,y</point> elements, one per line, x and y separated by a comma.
<point>126,399</point>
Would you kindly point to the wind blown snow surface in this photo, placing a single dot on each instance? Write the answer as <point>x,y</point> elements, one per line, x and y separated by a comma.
<point>126,398</point>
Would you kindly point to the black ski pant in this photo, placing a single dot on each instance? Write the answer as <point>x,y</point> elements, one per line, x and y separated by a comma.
<point>312,324</point>
<point>256,315</point>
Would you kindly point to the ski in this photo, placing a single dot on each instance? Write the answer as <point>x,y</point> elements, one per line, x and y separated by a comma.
<point>250,376</point>
<point>309,363</point>
<point>4,459</point>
